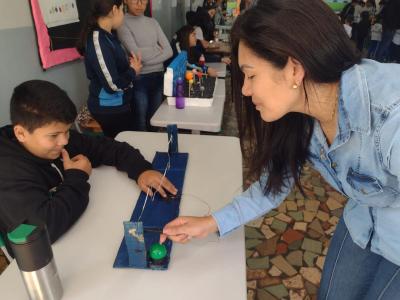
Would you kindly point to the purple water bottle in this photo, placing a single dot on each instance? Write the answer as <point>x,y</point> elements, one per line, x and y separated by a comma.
<point>180,94</point>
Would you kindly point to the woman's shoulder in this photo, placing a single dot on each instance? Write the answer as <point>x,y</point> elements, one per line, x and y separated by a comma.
<point>382,81</point>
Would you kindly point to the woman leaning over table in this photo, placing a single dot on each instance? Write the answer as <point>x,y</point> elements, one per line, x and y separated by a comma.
<point>299,102</point>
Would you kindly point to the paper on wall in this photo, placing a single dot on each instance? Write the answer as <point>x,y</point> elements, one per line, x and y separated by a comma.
<point>59,12</point>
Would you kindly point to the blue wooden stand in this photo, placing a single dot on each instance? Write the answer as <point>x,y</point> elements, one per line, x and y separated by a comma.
<point>132,252</point>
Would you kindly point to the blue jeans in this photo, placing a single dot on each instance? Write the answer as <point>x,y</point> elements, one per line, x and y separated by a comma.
<point>373,48</point>
<point>383,52</point>
<point>353,273</point>
<point>147,97</point>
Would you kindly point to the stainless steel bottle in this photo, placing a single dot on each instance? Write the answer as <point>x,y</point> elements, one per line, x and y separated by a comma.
<point>32,250</point>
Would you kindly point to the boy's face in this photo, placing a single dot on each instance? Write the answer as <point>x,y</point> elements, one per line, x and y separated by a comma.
<point>45,142</point>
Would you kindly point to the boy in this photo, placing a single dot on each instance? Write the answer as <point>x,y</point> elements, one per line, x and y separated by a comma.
<point>45,166</point>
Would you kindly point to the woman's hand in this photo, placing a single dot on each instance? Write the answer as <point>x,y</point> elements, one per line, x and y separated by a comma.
<point>151,180</point>
<point>135,61</point>
<point>182,229</point>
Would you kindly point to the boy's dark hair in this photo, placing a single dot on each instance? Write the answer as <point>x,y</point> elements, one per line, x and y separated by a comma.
<point>280,148</point>
<point>36,103</point>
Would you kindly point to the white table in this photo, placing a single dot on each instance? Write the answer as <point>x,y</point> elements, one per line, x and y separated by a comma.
<point>191,117</point>
<point>203,269</point>
<point>219,67</point>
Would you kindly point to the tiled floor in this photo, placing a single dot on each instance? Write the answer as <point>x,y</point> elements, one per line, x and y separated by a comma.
<point>286,248</point>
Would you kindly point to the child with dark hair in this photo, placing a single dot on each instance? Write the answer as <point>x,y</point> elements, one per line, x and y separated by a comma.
<point>311,98</point>
<point>363,29</point>
<point>206,20</point>
<point>186,40</point>
<point>45,166</point>
<point>110,73</point>
<point>192,19</point>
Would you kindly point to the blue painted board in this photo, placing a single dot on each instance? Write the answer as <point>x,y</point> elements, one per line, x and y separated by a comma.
<point>158,212</point>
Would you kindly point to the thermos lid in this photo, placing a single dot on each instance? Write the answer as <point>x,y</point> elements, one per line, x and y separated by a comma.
<point>20,234</point>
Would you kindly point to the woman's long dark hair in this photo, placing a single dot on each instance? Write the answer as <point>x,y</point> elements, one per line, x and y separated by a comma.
<point>275,30</point>
<point>99,8</point>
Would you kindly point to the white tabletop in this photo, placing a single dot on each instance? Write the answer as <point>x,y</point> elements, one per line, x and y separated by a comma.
<point>203,269</point>
<point>194,117</point>
<point>219,67</point>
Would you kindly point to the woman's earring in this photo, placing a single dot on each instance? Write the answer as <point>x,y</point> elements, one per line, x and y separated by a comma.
<point>295,86</point>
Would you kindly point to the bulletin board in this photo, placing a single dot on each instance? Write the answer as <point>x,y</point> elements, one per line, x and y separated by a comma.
<point>58,24</point>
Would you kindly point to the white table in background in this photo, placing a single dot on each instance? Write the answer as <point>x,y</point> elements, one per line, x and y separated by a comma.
<point>192,117</point>
<point>211,269</point>
<point>219,67</point>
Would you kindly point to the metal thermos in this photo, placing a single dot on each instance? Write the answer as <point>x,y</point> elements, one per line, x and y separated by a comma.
<point>34,256</point>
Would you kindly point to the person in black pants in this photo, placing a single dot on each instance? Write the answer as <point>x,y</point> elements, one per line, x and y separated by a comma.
<point>110,73</point>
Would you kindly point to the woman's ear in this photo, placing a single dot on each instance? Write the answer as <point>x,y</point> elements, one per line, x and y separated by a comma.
<point>294,72</point>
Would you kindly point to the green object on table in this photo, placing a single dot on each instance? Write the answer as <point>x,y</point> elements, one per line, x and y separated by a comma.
<point>20,234</point>
<point>2,244</point>
<point>158,251</point>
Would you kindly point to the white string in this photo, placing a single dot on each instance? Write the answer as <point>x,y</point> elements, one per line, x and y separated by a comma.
<point>144,205</point>
<point>200,200</point>
<point>167,167</point>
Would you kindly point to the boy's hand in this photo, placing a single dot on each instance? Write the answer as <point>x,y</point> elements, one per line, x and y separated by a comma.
<point>182,229</point>
<point>79,162</point>
<point>153,180</point>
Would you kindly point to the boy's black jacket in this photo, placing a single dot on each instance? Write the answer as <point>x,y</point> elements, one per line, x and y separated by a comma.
<point>33,191</point>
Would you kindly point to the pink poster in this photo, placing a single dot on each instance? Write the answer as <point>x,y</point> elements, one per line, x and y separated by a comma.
<point>48,57</point>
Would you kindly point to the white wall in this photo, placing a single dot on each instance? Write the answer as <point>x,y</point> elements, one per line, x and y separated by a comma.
<point>171,14</point>
<point>19,59</point>
<point>15,14</point>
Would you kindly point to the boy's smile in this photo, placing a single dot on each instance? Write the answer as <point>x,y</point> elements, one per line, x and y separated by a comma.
<point>45,142</point>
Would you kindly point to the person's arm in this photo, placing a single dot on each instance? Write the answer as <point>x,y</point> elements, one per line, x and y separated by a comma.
<point>127,39</point>
<point>106,151</point>
<point>25,198</point>
<point>248,206</point>
<point>166,50</point>
<point>104,65</point>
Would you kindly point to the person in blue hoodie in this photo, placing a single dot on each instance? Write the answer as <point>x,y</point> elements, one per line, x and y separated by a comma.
<point>110,72</point>
<point>303,93</point>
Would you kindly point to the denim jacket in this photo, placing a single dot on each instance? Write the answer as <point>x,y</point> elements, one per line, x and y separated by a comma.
<point>363,162</point>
